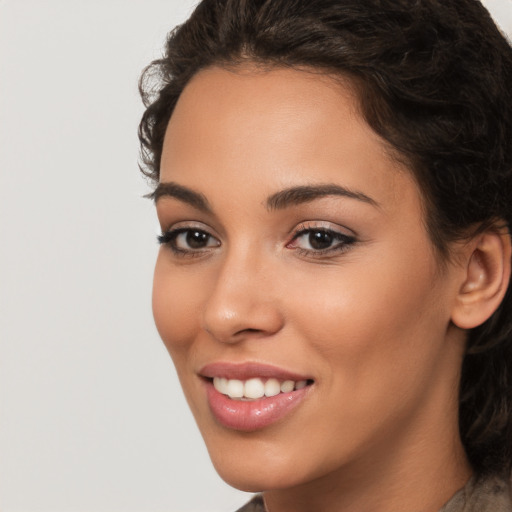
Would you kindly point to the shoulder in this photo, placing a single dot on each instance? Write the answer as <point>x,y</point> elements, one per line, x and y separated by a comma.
<point>490,494</point>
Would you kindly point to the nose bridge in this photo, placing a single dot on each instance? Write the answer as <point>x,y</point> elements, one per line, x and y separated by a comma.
<point>242,300</point>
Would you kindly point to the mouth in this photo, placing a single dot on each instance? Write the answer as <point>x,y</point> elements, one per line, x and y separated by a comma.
<point>251,397</point>
<point>256,388</point>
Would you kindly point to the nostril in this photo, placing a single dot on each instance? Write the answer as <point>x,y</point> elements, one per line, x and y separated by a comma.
<point>249,331</point>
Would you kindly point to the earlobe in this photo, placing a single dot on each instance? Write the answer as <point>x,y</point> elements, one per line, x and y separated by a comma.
<point>486,278</point>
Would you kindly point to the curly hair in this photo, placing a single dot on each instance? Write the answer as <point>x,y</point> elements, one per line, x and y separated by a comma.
<point>434,80</point>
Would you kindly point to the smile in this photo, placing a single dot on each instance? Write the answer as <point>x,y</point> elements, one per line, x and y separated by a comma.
<point>255,388</point>
<point>250,397</point>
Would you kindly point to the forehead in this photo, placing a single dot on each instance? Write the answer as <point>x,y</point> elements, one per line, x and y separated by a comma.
<point>269,129</point>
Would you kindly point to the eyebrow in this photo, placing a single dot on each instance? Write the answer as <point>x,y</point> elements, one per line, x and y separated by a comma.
<point>280,200</point>
<point>171,189</point>
<point>304,194</point>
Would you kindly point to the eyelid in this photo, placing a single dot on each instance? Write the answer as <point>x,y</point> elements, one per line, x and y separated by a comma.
<point>309,225</point>
<point>189,224</point>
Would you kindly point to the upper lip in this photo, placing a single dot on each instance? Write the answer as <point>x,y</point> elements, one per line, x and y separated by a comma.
<point>249,370</point>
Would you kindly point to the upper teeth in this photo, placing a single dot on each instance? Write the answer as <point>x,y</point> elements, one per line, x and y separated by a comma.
<point>255,388</point>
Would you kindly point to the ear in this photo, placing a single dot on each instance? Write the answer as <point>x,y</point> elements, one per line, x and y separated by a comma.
<point>485,280</point>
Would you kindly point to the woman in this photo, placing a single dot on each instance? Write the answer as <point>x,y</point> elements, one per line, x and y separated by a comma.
<point>333,187</point>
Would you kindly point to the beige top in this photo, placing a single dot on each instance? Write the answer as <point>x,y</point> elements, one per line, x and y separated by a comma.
<point>493,494</point>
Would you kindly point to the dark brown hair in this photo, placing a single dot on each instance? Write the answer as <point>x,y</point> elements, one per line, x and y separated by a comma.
<point>434,80</point>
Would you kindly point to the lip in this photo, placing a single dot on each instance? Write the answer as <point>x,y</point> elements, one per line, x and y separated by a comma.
<point>249,370</point>
<point>251,415</point>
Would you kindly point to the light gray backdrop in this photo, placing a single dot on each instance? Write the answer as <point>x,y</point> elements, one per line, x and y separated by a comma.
<point>91,415</point>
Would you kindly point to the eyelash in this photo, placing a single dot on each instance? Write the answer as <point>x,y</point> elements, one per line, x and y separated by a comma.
<point>343,241</point>
<point>168,239</point>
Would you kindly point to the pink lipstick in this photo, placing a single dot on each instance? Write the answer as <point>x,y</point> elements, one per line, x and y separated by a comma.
<point>252,396</point>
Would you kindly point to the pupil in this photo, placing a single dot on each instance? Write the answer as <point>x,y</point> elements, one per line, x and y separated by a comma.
<point>320,239</point>
<point>197,239</point>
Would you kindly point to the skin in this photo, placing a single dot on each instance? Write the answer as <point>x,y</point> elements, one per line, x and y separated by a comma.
<point>370,321</point>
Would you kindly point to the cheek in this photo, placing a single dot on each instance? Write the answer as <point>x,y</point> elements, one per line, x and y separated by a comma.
<point>376,338</point>
<point>176,299</point>
<point>373,318</point>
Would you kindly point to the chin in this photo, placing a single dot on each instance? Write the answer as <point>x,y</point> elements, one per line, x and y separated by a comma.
<point>252,465</point>
<point>250,479</point>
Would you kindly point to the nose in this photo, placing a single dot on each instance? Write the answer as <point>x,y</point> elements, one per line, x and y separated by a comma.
<point>243,303</point>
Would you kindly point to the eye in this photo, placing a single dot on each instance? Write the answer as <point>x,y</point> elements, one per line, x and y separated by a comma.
<point>318,240</point>
<point>188,240</point>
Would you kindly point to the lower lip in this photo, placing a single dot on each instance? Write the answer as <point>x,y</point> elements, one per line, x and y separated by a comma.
<point>251,415</point>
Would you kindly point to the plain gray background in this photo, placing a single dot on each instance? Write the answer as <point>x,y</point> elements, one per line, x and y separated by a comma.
<point>91,415</point>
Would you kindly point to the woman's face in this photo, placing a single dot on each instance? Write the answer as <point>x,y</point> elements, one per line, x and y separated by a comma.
<point>296,261</point>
